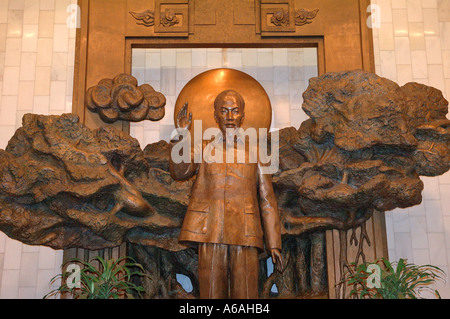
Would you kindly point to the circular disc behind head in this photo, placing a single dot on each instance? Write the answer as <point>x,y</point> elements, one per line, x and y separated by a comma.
<point>202,90</point>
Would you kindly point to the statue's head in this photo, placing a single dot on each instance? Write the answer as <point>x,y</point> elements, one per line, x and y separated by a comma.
<point>229,110</point>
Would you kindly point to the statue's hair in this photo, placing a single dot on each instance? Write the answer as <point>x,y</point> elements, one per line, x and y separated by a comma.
<point>225,93</point>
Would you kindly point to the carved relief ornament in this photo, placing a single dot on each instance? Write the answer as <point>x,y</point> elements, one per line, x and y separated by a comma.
<point>303,16</point>
<point>280,18</point>
<point>168,18</point>
<point>147,18</point>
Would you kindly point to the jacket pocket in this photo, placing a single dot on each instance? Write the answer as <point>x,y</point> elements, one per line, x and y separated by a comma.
<point>252,222</point>
<point>196,219</point>
<point>202,207</point>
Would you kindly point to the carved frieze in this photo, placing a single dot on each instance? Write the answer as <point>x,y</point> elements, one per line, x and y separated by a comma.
<point>172,17</point>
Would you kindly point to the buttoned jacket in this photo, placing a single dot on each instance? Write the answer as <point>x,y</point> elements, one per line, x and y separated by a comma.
<point>232,202</point>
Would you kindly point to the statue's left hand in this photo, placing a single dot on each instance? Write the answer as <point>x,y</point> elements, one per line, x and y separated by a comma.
<point>277,259</point>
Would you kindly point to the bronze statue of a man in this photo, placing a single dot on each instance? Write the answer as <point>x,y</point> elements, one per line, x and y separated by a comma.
<point>226,219</point>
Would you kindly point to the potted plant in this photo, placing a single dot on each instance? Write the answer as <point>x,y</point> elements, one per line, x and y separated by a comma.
<point>397,280</point>
<point>111,280</point>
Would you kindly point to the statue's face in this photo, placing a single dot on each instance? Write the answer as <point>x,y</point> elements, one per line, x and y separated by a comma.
<point>229,113</point>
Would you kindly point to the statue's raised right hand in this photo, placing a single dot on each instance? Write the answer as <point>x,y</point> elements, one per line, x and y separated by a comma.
<point>182,120</point>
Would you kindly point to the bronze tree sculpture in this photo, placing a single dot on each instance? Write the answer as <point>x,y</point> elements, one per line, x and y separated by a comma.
<point>363,150</point>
